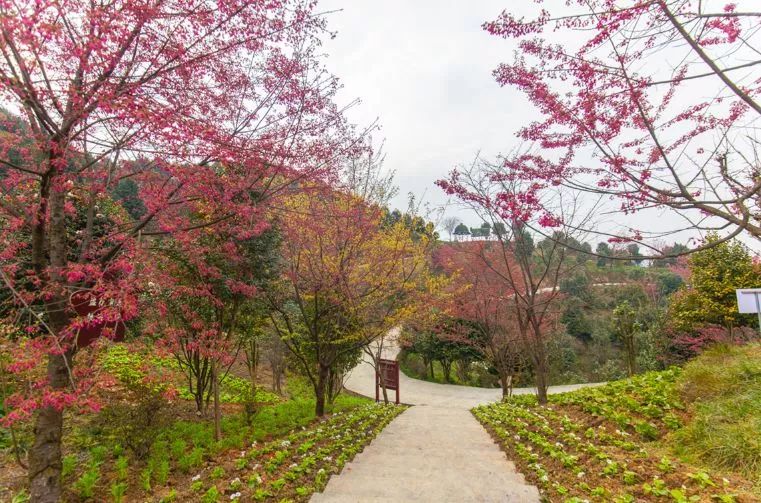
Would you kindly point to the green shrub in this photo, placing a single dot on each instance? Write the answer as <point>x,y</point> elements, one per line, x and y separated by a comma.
<point>68,465</point>
<point>122,467</point>
<point>191,460</point>
<point>217,473</point>
<point>211,496</point>
<point>21,497</point>
<point>86,483</point>
<point>137,424</point>
<point>145,479</point>
<point>178,448</point>
<point>98,455</point>
<point>161,472</point>
<point>171,497</point>
<point>118,491</point>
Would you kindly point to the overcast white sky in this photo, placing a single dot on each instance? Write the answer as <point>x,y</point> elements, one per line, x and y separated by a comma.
<point>423,68</point>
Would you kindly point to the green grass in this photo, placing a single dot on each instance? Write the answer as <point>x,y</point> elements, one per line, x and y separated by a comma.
<point>412,365</point>
<point>286,416</point>
<point>723,387</point>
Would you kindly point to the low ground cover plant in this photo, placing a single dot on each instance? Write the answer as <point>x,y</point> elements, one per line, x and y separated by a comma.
<point>639,439</point>
<point>184,463</point>
<point>291,467</point>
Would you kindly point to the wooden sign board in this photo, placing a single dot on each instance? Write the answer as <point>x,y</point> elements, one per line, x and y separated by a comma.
<point>387,376</point>
<point>86,305</point>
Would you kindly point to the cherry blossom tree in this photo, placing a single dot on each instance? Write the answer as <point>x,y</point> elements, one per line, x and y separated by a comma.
<point>194,104</point>
<point>645,105</point>
<point>530,272</point>
<point>482,307</point>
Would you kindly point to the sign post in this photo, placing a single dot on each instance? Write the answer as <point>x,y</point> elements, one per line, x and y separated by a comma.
<point>387,375</point>
<point>87,305</point>
<point>748,302</point>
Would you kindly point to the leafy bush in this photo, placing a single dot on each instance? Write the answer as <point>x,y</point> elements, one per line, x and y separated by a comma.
<point>122,467</point>
<point>211,496</point>
<point>145,479</point>
<point>86,483</point>
<point>69,464</point>
<point>191,460</point>
<point>137,424</point>
<point>21,497</point>
<point>118,491</point>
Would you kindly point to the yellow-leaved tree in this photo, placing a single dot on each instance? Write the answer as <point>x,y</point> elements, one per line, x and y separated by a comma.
<point>349,277</point>
<point>709,296</point>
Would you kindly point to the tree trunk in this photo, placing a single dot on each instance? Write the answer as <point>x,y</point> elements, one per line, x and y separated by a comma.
<point>506,383</point>
<point>542,382</point>
<point>430,365</point>
<point>335,385</point>
<point>277,377</point>
<point>631,357</point>
<point>462,370</point>
<point>322,381</point>
<point>383,385</point>
<point>45,454</point>
<point>446,366</point>
<point>217,411</point>
<point>198,395</point>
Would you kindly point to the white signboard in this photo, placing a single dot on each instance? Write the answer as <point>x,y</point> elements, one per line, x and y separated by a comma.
<point>749,300</point>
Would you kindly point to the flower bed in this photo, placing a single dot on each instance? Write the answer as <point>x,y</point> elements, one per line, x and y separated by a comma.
<point>293,467</point>
<point>603,444</point>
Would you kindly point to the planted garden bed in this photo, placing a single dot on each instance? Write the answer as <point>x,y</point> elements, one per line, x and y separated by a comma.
<point>606,444</point>
<point>290,468</point>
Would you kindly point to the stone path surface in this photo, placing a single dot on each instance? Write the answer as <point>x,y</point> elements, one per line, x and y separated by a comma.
<point>435,451</point>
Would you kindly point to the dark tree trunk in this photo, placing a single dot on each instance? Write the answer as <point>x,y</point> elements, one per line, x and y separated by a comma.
<point>277,378</point>
<point>506,383</point>
<point>199,394</point>
<point>322,381</point>
<point>200,368</point>
<point>250,405</point>
<point>45,454</point>
<point>384,390</point>
<point>217,411</point>
<point>462,370</point>
<point>542,381</point>
<point>631,356</point>
<point>335,385</point>
<point>446,366</point>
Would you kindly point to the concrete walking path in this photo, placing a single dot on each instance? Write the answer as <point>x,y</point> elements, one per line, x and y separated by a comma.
<point>435,451</point>
<point>430,454</point>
